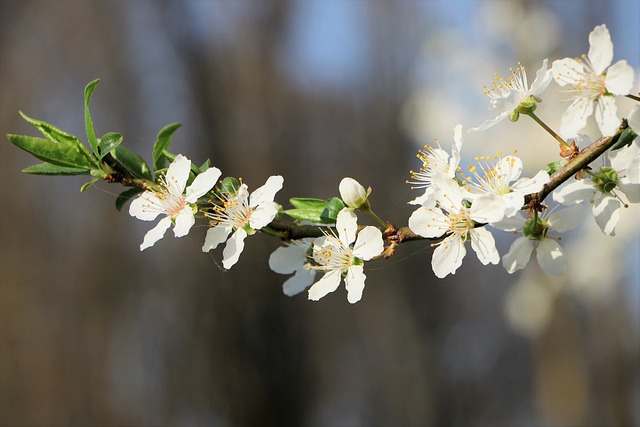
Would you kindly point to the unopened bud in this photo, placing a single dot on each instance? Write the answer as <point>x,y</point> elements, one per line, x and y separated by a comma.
<point>353,194</point>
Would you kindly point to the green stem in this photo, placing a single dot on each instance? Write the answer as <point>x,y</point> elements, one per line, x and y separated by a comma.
<point>378,220</point>
<point>557,137</point>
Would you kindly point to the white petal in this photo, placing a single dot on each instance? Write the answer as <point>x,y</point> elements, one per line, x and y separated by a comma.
<point>531,185</point>
<point>551,257</point>
<point>510,167</point>
<point>354,282</point>
<point>626,162</point>
<point>518,255</point>
<point>146,207</point>
<point>631,191</point>
<point>184,221</point>
<point>543,78</point>
<point>202,184</point>
<point>607,115</point>
<point>575,117</point>
<point>567,219</point>
<point>267,192</point>
<point>156,233</point>
<point>607,214</point>
<point>448,193</point>
<point>263,215</point>
<point>513,202</point>
<point>427,199</point>
<point>346,224</point>
<point>576,191</point>
<point>178,174</point>
<point>454,161</point>
<point>619,78</point>
<point>488,208</point>
<point>287,259</point>
<point>567,71</point>
<point>215,236</point>
<point>428,222</point>
<point>448,256</point>
<point>489,123</point>
<point>510,223</point>
<point>634,120</point>
<point>352,193</point>
<point>483,243</point>
<point>369,243</point>
<point>600,49</point>
<point>329,283</point>
<point>233,249</point>
<point>300,281</point>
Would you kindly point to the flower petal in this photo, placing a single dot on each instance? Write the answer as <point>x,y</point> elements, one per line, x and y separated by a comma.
<point>233,249</point>
<point>202,184</point>
<point>531,185</point>
<point>601,48</point>
<point>263,215</point>
<point>215,236</point>
<point>184,221</point>
<point>146,207</point>
<point>484,245</point>
<point>454,161</point>
<point>287,259</point>
<point>551,257</point>
<point>567,71</point>
<point>510,167</point>
<point>369,243</point>
<point>567,219</point>
<point>354,282</point>
<point>448,256</point>
<point>574,192</point>
<point>619,78</point>
<point>607,214</point>
<point>429,222</point>
<point>347,226</point>
<point>490,123</point>
<point>156,233</point>
<point>607,115</point>
<point>634,120</point>
<point>329,283</point>
<point>575,117</point>
<point>518,255</point>
<point>352,193</point>
<point>300,281</point>
<point>177,175</point>
<point>510,223</point>
<point>487,208</point>
<point>542,80</point>
<point>267,192</point>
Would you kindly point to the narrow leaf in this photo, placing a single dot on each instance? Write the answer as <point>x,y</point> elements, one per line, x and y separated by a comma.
<point>308,214</point>
<point>61,153</point>
<point>130,163</point>
<point>88,184</point>
<point>163,140</point>
<point>330,213</point>
<point>88,123</point>
<point>108,142</point>
<point>51,169</point>
<point>308,202</point>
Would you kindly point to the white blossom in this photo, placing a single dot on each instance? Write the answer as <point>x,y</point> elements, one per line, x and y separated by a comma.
<point>352,193</point>
<point>592,83</point>
<point>169,201</point>
<point>242,214</point>
<point>294,258</point>
<point>336,256</point>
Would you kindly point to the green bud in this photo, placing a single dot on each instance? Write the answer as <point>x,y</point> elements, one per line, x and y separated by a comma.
<point>229,185</point>
<point>535,228</point>
<point>514,115</point>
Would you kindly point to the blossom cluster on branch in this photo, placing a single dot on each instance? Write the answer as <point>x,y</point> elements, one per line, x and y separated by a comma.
<point>456,205</point>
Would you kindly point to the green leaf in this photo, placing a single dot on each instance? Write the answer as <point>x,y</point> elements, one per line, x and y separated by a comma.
<point>108,142</point>
<point>206,165</point>
<point>305,214</point>
<point>61,153</point>
<point>229,185</point>
<point>88,123</point>
<point>51,169</point>
<point>330,213</point>
<point>127,195</point>
<point>131,163</point>
<point>88,184</point>
<point>56,135</point>
<point>553,167</point>
<point>307,202</point>
<point>626,138</point>
<point>163,140</point>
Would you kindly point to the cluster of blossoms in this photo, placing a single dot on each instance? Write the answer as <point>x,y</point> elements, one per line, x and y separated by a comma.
<point>459,208</point>
<point>455,205</point>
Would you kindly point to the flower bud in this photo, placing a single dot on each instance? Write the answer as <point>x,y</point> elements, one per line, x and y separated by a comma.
<point>353,194</point>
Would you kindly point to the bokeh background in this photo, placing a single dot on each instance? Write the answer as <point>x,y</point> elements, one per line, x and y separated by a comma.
<point>94,333</point>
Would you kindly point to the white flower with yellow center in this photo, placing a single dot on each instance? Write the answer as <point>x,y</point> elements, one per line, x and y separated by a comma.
<point>455,219</point>
<point>539,233</point>
<point>592,83</point>
<point>504,180</point>
<point>435,160</point>
<point>507,94</point>
<point>336,256</point>
<point>169,200</point>
<point>241,213</point>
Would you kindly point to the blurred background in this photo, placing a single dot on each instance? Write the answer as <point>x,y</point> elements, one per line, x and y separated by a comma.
<point>95,332</point>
